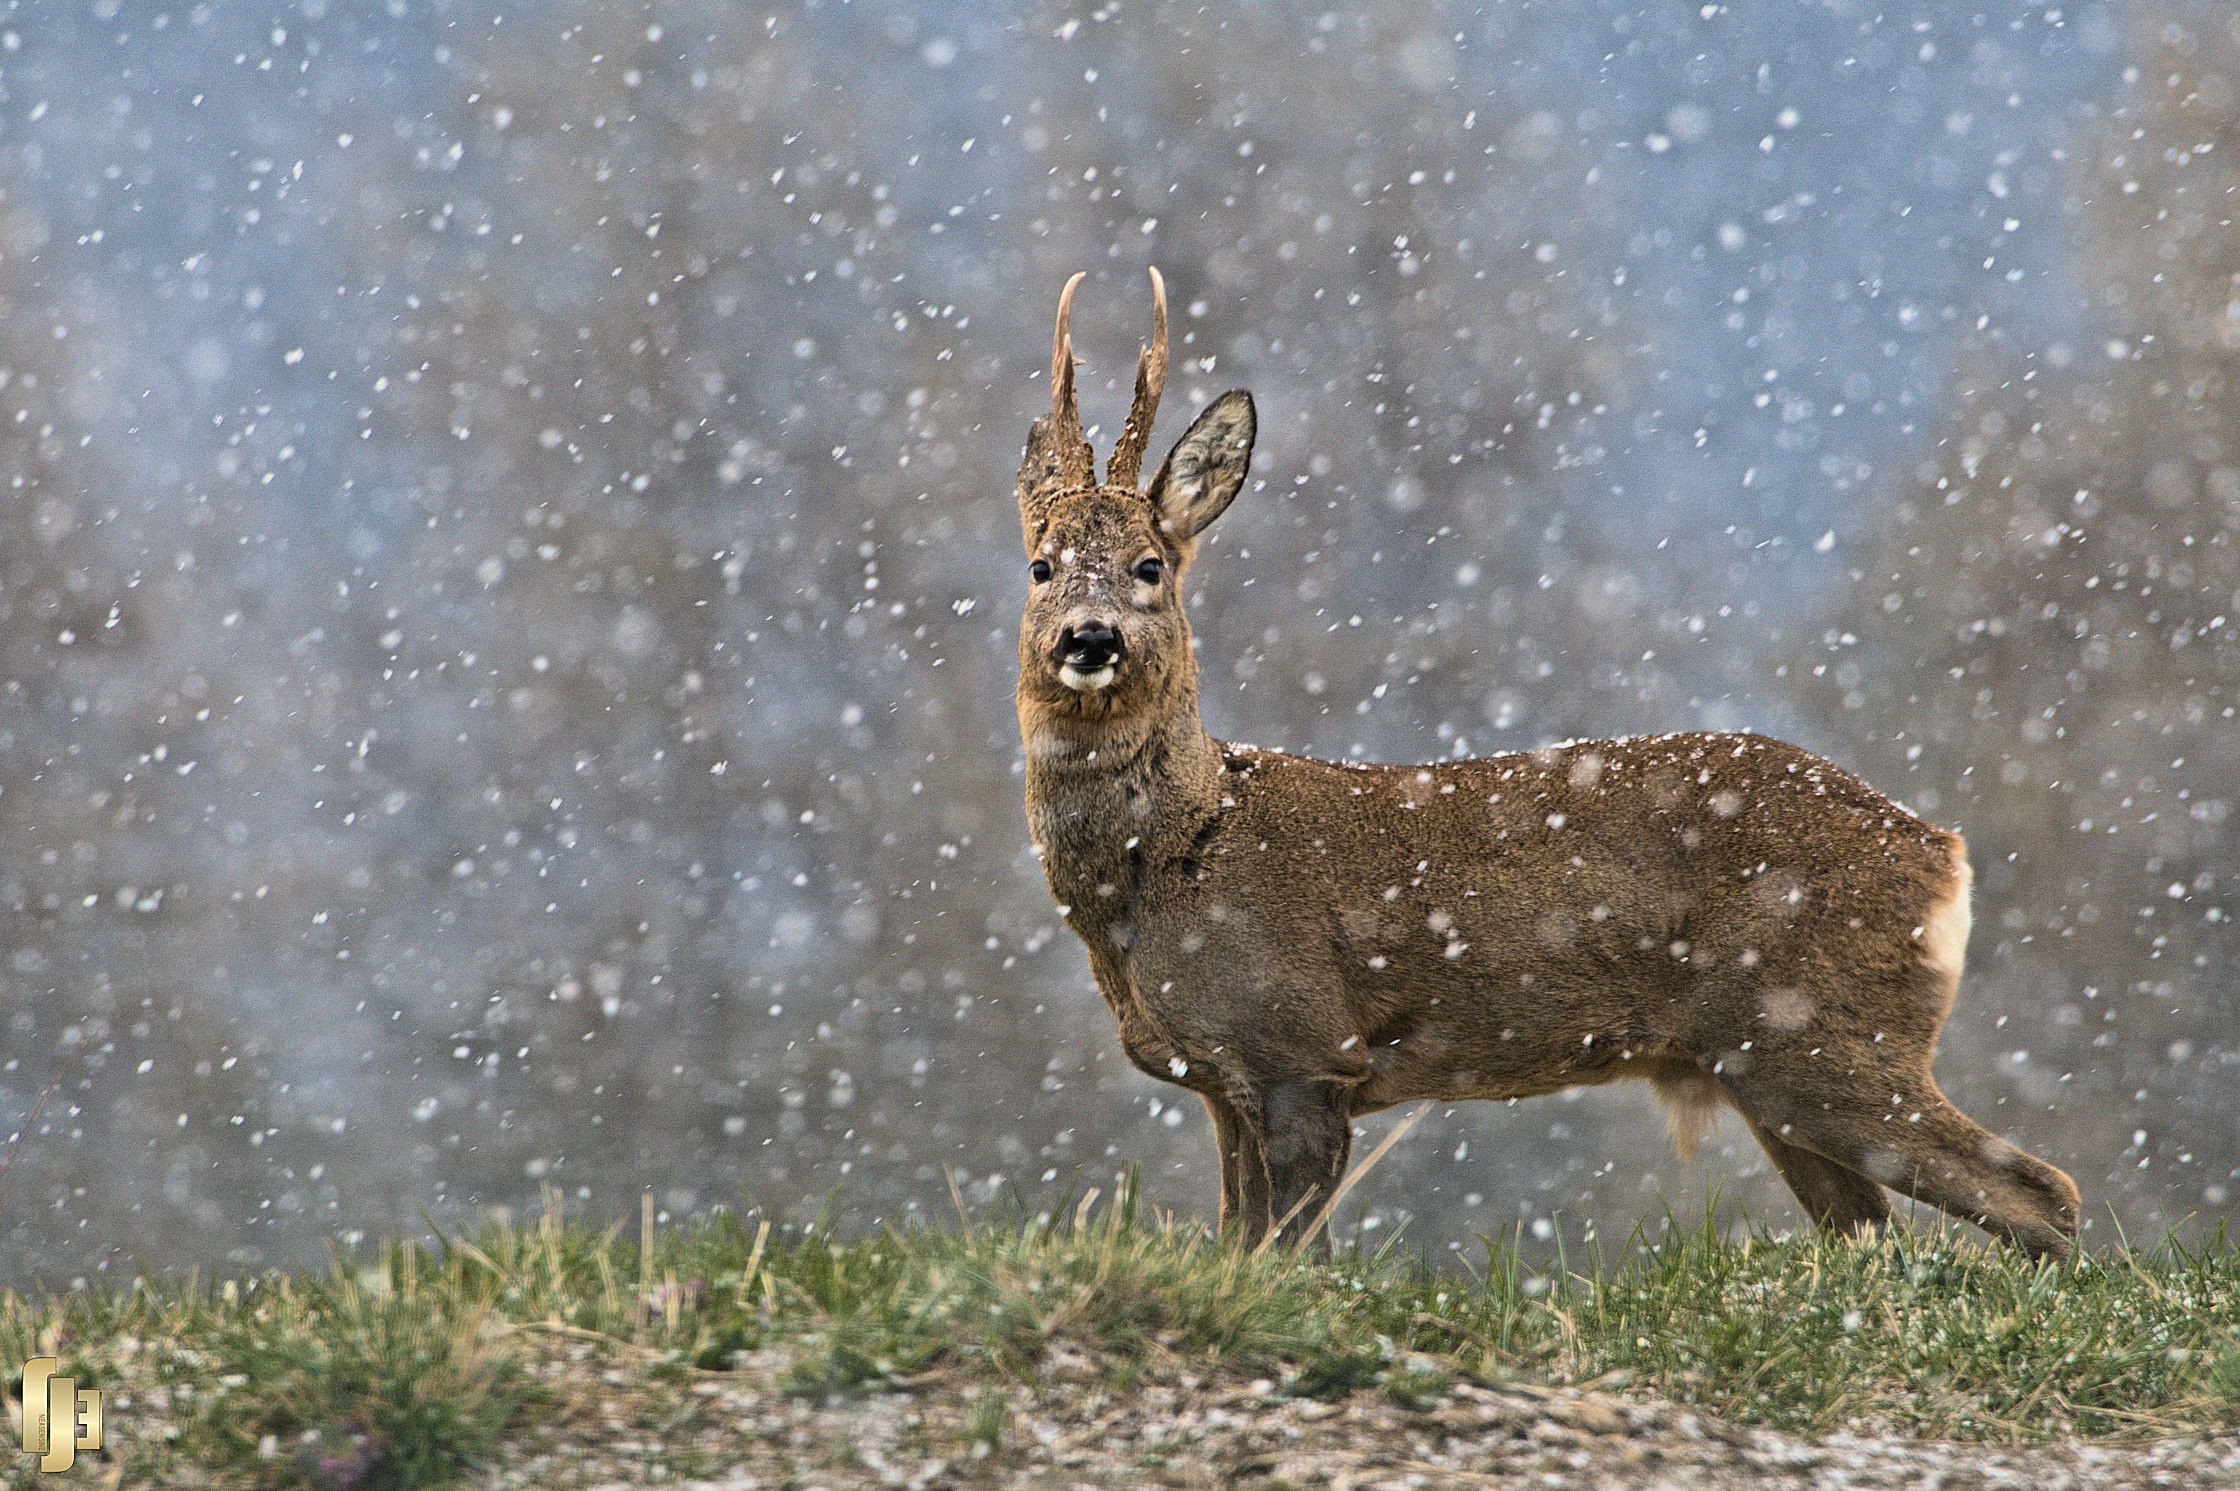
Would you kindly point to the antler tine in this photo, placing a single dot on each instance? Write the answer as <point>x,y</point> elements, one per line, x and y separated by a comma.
<point>1065,411</point>
<point>1061,351</point>
<point>1151,380</point>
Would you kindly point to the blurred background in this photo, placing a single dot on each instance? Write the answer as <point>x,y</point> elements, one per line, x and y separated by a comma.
<point>509,563</point>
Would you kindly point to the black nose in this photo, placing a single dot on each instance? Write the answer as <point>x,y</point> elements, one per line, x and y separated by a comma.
<point>1090,646</point>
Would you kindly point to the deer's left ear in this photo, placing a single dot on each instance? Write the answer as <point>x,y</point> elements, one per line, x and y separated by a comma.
<point>1205,470</point>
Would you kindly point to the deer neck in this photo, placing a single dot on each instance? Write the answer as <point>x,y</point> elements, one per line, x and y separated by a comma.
<point>1108,800</point>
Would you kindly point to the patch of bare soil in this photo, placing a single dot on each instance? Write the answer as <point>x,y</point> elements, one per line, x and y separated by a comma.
<point>742,1431</point>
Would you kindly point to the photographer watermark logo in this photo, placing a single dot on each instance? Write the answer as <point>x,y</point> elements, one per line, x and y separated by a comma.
<point>59,1417</point>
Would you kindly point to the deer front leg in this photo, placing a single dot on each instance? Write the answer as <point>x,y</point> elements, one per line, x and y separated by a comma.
<point>1306,1134</point>
<point>1244,1173</point>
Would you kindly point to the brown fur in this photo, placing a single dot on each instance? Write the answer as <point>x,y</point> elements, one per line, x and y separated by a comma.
<point>1299,942</point>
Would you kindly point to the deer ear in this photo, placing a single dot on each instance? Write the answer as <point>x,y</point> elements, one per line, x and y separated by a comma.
<point>1204,471</point>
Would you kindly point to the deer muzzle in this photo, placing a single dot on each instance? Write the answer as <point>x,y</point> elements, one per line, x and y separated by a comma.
<point>1088,652</point>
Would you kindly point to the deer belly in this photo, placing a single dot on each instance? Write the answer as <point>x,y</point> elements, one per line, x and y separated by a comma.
<point>1492,1024</point>
<point>1451,1053</point>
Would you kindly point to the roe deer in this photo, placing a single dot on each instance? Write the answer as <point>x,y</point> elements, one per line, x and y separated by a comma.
<point>1299,941</point>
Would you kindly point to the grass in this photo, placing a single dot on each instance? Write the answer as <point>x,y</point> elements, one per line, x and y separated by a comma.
<point>1929,1333</point>
<point>410,1366</point>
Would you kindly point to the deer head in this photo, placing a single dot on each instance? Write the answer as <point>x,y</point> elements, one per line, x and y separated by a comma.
<point>1104,634</point>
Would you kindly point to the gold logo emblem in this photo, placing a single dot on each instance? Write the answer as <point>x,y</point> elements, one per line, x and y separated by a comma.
<point>59,1417</point>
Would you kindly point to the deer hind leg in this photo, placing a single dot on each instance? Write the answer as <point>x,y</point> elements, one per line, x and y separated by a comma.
<point>1244,1172</point>
<point>1896,1128</point>
<point>1947,1159</point>
<point>1937,1154</point>
<point>1306,1132</point>
<point>1838,1199</point>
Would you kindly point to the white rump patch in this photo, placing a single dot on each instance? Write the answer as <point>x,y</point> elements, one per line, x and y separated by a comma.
<point>1691,1102</point>
<point>1944,931</point>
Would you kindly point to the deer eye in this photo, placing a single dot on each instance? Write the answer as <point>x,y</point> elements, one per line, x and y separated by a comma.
<point>1149,569</point>
<point>1039,571</point>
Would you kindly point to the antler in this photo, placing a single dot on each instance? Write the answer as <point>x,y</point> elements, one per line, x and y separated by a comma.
<point>1151,378</point>
<point>1079,464</point>
<point>1058,458</point>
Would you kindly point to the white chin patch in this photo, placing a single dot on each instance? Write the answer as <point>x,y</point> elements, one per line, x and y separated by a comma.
<point>1084,683</point>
